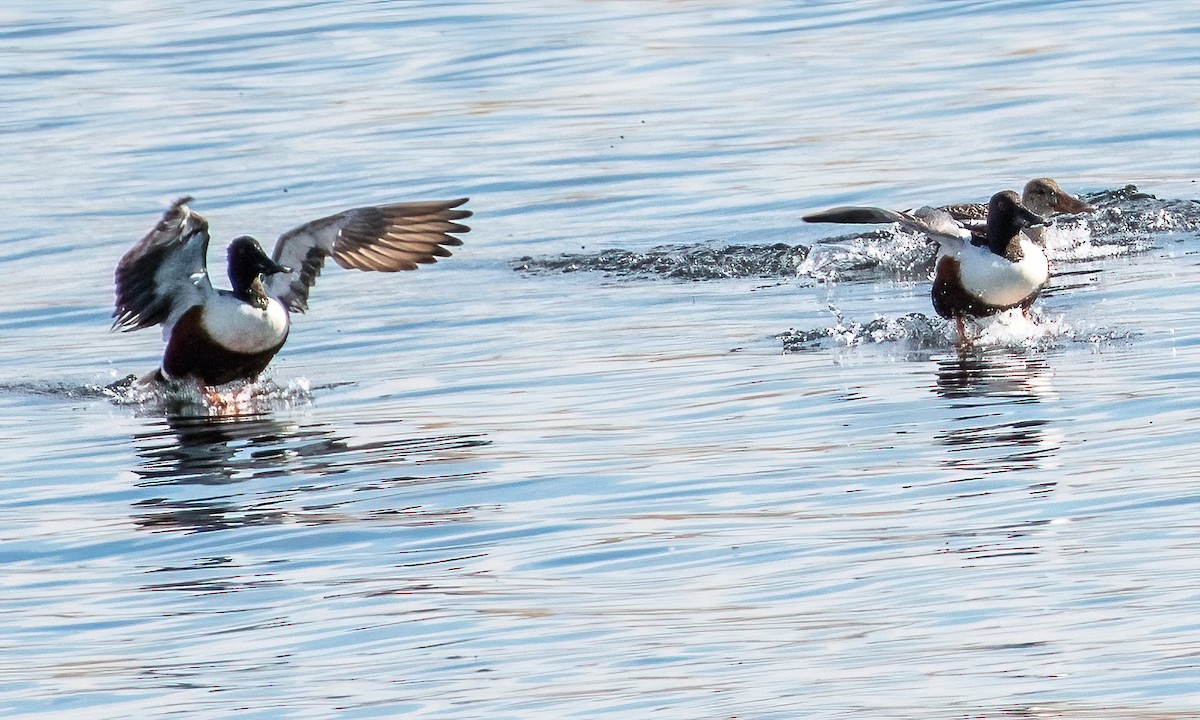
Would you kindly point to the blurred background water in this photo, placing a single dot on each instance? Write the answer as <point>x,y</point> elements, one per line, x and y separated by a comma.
<point>488,492</point>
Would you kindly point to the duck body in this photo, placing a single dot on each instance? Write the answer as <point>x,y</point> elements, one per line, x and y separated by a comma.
<point>225,339</point>
<point>983,273</point>
<point>215,336</point>
<point>971,280</point>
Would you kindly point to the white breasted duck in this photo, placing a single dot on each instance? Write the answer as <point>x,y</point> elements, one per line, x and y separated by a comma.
<point>979,272</point>
<point>217,336</point>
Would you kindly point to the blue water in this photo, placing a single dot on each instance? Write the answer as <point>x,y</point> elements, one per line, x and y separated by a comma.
<point>480,491</point>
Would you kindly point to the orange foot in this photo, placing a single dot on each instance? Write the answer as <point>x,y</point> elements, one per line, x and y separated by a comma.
<point>227,403</point>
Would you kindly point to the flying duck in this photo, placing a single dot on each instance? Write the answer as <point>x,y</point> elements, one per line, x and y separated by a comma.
<point>216,336</point>
<point>979,271</point>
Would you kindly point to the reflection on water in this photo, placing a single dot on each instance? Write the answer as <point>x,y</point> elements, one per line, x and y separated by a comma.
<point>1018,378</point>
<point>990,394</point>
<point>222,452</point>
<point>999,435</point>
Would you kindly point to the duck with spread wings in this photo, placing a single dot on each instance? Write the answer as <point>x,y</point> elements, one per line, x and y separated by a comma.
<point>215,336</point>
<point>979,271</point>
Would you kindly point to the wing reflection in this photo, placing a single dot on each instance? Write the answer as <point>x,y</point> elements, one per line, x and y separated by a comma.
<point>303,472</point>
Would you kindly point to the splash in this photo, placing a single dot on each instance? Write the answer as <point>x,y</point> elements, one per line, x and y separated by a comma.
<point>1011,330</point>
<point>1014,329</point>
<point>681,262</point>
<point>879,253</point>
<point>1126,221</point>
<point>1130,218</point>
<point>1072,240</point>
<point>913,331</point>
<point>188,400</point>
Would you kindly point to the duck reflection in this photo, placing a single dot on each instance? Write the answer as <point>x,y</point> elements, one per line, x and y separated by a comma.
<point>303,472</point>
<point>994,430</point>
<point>1001,445</point>
<point>981,375</point>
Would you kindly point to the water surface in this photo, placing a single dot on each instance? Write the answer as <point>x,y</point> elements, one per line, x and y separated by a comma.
<point>479,490</point>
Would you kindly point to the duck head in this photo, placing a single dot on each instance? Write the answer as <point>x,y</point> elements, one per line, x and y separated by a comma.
<point>1044,197</point>
<point>1006,218</point>
<point>247,263</point>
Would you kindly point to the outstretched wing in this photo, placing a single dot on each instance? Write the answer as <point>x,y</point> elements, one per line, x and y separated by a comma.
<point>934,222</point>
<point>938,224</point>
<point>854,215</point>
<point>165,273</point>
<point>386,238</point>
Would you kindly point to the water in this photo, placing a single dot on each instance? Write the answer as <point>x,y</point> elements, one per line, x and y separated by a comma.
<point>495,489</point>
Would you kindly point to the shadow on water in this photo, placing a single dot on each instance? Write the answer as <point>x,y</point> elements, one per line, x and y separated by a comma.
<point>327,476</point>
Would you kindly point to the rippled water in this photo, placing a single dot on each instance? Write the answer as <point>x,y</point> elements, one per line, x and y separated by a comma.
<point>728,465</point>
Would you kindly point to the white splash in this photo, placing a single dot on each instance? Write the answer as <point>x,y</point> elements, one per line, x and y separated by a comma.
<point>232,399</point>
<point>1014,329</point>
<point>892,252</point>
<point>1074,242</point>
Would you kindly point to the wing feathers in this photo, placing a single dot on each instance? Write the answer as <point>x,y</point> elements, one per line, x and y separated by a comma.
<point>385,238</point>
<point>854,215</point>
<point>935,222</point>
<point>165,273</point>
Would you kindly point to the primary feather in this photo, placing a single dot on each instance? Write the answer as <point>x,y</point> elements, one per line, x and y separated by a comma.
<point>385,238</point>
<point>165,273</point>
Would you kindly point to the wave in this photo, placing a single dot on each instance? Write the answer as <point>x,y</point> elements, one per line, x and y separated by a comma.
<point>180,399</point>
<point>1126,221</point>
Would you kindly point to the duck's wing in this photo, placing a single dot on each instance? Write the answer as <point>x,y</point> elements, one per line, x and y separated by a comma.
<point>385,238</point>
<point>854,215</point>
<point>165,273</point>
<point>940,225</point>
<point>934,222</point>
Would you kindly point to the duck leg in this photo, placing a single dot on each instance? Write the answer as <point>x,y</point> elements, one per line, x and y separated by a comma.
<point>964,339</point>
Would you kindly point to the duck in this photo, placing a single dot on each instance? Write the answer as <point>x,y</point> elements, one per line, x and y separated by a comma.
<point>979,271</point>
<point>214,336</point>
<point>1041,196</point>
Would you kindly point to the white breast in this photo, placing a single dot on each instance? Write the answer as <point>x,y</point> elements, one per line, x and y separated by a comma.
<point>244,328</point>
<point>997,281</point>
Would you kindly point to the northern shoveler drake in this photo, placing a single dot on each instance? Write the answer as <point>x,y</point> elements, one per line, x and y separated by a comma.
<point>217,336</point>
<point>978,272</point>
